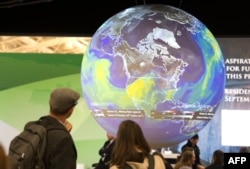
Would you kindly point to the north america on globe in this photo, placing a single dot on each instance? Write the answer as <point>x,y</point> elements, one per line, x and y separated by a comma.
<point>155,64</point>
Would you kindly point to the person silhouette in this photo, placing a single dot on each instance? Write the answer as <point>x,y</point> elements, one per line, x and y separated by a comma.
<point>105,153</point>
<point>132,149</point>
<point>192,142</point>
<point>217,160</point>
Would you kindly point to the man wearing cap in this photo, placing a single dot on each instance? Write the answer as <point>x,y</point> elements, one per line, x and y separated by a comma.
<point>60,152</point>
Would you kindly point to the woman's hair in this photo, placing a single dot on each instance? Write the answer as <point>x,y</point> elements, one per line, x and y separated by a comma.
<point>186,159</point>
<point>130,142</point>
<point>3,158</point>
<point>186,148</point>
<point>218,157</point>
<point>244,149</point>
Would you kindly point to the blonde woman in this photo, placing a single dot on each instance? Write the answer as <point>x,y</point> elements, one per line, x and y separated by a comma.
<point>186,161</point>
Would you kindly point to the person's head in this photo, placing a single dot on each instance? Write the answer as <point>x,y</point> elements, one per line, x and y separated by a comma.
<point>62,101</point>
<point>110,136</point>
<point>218,157</point>
<point>129,141</point>
<point>194,139</point>
<point>244,149</point>
<point>186,149</point>
<point>3,158</point>
<point>187,158</point>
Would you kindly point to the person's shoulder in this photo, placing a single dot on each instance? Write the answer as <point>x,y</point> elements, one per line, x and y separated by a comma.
<point>157,155</point>
<point>51,123</point>
<point>113,167</point>
<point>185,146</point>
<point>160,162</point>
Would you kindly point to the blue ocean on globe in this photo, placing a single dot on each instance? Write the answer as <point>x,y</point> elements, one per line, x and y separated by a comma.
<point>157,65</point>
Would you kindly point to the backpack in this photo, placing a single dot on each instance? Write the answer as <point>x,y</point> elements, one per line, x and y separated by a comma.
<point>26,149</point>
<point>151,162</point>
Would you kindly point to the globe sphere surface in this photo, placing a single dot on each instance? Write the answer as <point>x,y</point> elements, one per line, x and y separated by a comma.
<point>155,64</point>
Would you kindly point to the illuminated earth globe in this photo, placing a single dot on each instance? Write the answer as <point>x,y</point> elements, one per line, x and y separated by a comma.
<point>157,65</point>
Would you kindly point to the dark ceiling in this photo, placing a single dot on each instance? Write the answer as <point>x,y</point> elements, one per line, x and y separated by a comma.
<point>83,18</point>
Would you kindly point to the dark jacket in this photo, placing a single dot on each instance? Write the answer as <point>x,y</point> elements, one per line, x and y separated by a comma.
<point>215,166</point>
<point>60,152</point>
<point>105,153</point>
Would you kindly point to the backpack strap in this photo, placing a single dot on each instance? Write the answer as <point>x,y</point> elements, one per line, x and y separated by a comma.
<point>151,161</point>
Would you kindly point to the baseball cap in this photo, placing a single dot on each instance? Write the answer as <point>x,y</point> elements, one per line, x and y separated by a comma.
<point>62,99</point>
